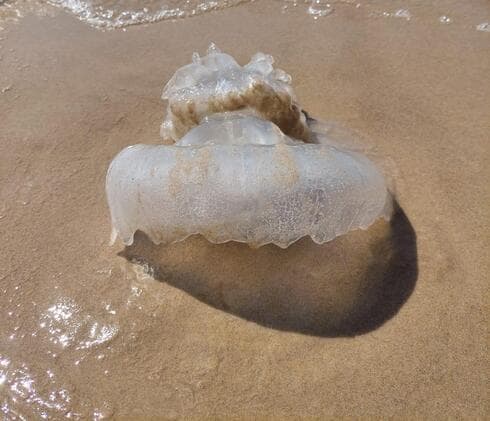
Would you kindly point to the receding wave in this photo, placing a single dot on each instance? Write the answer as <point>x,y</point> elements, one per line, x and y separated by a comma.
<point>121,13</point>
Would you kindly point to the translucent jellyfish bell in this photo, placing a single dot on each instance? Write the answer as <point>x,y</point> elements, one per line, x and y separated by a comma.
<point>236,176</point>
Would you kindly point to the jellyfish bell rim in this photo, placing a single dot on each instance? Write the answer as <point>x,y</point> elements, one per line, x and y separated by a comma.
<point>130,241</point>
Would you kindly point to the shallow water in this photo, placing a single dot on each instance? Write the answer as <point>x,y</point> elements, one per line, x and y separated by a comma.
<point>111,14</point>
<point>66,337</point>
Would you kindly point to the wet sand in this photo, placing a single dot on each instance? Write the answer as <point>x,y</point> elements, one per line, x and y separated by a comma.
<point>389,322</point>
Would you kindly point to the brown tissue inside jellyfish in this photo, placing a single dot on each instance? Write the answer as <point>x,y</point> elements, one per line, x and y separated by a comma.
<point>261,99</point>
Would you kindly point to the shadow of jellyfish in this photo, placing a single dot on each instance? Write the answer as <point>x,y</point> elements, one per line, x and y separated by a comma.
<point>346,287</point>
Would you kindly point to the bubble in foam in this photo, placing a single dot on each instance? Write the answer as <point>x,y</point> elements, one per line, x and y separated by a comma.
<point>445,19</point>
<point>403,13</point>
<point>320,8</point>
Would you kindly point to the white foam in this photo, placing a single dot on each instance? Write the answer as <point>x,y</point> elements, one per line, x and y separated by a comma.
<point>484,27</point>
<point>320,8</point>
<point>122,13</point>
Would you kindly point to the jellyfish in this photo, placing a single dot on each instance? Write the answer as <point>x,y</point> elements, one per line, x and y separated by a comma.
<point>242,161</point>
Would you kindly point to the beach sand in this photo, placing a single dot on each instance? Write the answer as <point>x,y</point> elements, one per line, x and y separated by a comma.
<point>388,322</point>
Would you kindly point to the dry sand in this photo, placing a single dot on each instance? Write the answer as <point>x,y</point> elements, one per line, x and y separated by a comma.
<point>388,322</point>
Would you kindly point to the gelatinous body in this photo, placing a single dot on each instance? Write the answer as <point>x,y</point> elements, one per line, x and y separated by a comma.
<point>236,176</point>
<point>216,83</point>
